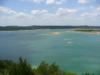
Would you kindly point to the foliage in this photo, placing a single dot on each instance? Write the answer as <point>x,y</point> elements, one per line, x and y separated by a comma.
<point>87,73</point>
<point>8,67</point>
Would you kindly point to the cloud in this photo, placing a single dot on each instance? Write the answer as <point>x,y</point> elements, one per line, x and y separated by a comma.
<point>39,12</point>
<point>55,1</point>
<point>98,9</point>
<point>88,14</point>
<point>21,15</point>
<point>65,11</point>
<point>5,10</point>
<point>82,1</point>
<point>38,1</point>
<point>50,1</point>
<point>60,16</point>
<point>94,13</point>
<point>46,1</point>
<point>39,17</point>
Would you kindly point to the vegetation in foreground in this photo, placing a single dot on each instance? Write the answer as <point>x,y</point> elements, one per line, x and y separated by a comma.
<point>8,67</point>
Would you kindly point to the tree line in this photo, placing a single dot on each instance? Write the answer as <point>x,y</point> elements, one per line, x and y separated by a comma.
<point>33,27</point>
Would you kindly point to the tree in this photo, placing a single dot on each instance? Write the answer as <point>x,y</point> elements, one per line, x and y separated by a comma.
<point>55,70</point>
<point>87,73</point>
<point>22,68</point>
<point>43,68</point>
<point>71,73</point>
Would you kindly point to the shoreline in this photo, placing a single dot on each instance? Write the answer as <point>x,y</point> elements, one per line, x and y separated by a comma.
<point>90,31</point>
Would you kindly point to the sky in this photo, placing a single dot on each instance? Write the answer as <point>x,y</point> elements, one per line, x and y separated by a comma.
<point>49,12</point>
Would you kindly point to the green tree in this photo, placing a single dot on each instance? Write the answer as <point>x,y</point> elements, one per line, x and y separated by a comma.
<point>87,73</point>
<point>5,66</point>
<point>71,73</point>
<point>54,69</point>
<point>22,68</point>
<point>43,68</point>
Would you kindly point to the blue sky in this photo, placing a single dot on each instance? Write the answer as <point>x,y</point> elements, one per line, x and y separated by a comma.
<point>49,12</point>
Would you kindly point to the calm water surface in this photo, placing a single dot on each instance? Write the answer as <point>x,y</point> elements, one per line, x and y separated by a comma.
<point>73,51</point>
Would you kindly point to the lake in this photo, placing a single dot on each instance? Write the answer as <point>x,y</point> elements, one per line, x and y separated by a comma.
<point>73,51</point>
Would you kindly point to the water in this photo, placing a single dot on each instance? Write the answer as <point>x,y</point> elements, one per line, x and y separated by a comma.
<point>73,51</point>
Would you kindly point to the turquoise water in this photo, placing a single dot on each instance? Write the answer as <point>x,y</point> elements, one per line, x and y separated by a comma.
<point>73,51</point>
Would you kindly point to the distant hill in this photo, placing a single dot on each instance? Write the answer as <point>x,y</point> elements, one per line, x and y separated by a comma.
<point>9,28</point>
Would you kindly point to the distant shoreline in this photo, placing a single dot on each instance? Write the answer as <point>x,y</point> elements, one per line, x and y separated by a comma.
<point>90,31</point>
<point>77,28</point>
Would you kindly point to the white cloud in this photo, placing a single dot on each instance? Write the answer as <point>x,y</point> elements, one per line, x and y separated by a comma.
<point>98,9</point>
<point>88,14</point>
<point>7,10</point>
<point>46,1</point>
<point>60,2</point>
<point>34,12</point>
<point>50,1</point>
<point>82,1</point>
<point>65,11</point>
<point>38,1</point>
<point>39,12</point>
<point>40,17</point>
<point>21,15</point>
<point>61,16</point>
<point>93,13</point>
